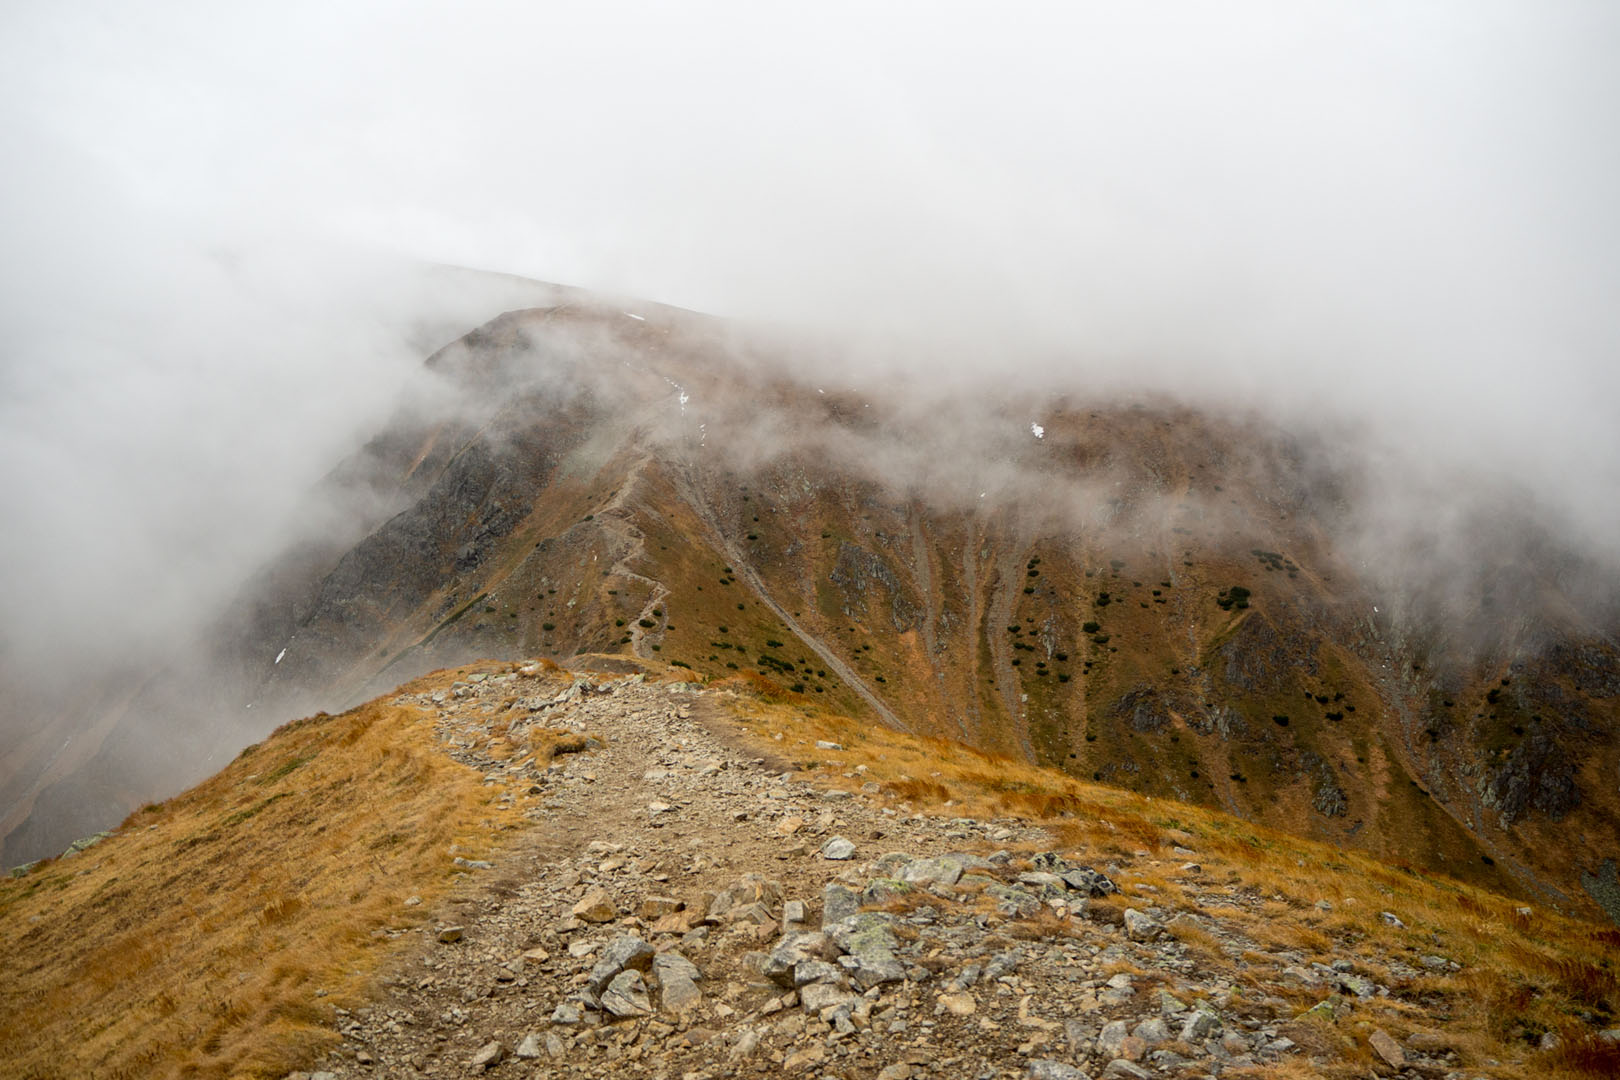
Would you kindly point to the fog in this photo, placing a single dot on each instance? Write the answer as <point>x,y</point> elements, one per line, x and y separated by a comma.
<point>222,228</point>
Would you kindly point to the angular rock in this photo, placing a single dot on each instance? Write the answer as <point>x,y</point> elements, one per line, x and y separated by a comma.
<point>1044,884</point>
<point>671,964</point>
<point>745,1045</point>
<point>943,869</point>
<point>1088,881</point>
<point>596,906</point>
<point>1170,1005</point>
<point>626,995</point>
<point>1046,1069</point>
<point>803,1059</point>
<point>818,996</point>
<point>838,849</point>
<point>1199,1025</point>
<point>530,1046</point>
<point>838,902</point>
<point>1114,1034</point>
<point>869,944</point>
<point>656,907</point>
<point>1014,901</point>
<point>756,914</point>
<point>1152,1032</point>
<point>963,1004</point>
<point>489,1054</point>
<point>814,971</point>
<point>1138,927</point>
<point>1122,1069</point>
<point>1387,1048</point>
<point>449,935</point>
<point>678,995</point>
<point>625,951</point>
<point>880,891</point>
<point>873,968</point>
<point>1003,963</point>
<point>865,930</point>
<point>790,951</point>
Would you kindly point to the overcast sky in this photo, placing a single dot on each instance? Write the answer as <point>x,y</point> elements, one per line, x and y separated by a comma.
<point>1400,213</point>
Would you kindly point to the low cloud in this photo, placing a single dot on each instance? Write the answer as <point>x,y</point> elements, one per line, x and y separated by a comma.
<point>1375,220</point>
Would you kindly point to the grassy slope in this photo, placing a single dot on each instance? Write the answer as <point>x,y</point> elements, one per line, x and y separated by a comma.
<point>1524,971</point>
<point>194,940</point>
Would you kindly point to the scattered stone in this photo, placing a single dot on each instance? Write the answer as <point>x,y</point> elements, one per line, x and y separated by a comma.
<point>1199,1025</point>
<point>1123,1069</point>
<point>449,935</point>
<point>1139,927</point>
<point>672,965</point>
<point>489,1054</point>
<point>1045,1069</point>
<point>943,870</point>
<point>818,996</point>
<point>838,902</point>
<point>596,906</point>
<point>626,995</point>
<point>1152,1032</point>
<point>530,1046</point>
<point>622,953</point>
<point>838,849</point>
<point>1114,1034</point>
<point>803,1059</point>
<point>656,907</point>
<point>1387,1049</point>
<point>678,995</point>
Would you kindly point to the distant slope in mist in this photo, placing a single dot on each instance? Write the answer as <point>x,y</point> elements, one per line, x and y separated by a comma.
<point>1179,602</point>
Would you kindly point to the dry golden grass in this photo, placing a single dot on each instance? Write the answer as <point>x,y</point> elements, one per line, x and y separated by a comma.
<point>1200,942</point>
<point>193,942</point>
<point>1522,975</point>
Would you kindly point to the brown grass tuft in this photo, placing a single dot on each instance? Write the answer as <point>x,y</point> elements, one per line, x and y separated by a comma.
<point>1582,1053</point>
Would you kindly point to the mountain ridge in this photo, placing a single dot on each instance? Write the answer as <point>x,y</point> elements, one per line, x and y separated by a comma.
<point>938,569</point>
<point>613,870</point>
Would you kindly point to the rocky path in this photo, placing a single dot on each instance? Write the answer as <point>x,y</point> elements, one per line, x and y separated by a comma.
<point>682,908</point>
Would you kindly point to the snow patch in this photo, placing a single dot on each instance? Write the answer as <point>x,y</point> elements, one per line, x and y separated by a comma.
<point>633,315</point>
<point>1037,431</point>
<point>280,654</point>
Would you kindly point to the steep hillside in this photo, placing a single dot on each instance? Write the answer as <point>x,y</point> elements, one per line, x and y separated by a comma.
<point>1176,602</point>
<point>727,880</point>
